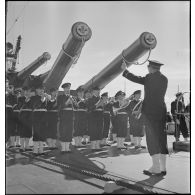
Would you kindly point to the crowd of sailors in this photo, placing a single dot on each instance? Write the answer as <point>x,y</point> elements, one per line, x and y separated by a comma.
<point>86,118</point>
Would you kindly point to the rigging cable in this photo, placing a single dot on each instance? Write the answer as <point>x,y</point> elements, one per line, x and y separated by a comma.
<point>17,18</point>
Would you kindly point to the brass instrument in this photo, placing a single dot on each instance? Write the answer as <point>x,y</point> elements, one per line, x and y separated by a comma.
<point>137,112</point>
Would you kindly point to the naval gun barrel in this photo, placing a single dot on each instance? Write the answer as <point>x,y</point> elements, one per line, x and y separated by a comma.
<point>71,49</point>
<point>143,44</point>
<point>23,74</point>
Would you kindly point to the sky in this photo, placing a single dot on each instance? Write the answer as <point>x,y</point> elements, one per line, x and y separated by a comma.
<point>45,26</point>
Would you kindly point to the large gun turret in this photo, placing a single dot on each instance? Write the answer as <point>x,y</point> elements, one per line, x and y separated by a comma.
<point>144,43</point>
<point>34,65</point>
<point>71,49</point>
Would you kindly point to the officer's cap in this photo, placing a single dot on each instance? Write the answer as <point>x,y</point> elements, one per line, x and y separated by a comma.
<point>137,92</point>
<point>104,94</point>
<point>66,85</point>
<point>155,64</point>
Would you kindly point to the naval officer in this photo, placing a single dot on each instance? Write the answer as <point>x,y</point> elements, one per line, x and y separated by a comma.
<point>154,113</point>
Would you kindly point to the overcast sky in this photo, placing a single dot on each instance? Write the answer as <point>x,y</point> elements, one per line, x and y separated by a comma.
<point>45,26</point>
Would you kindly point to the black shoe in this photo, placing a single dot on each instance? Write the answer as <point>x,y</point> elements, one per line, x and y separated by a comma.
<point>136,147</point>
<point>163,172</point>
<point>146,172</point>
<point>83,142</point>
<point>18,146</point>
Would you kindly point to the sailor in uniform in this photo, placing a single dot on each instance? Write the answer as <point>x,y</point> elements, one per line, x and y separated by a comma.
<point>39,120</point>
<point>25,119</point>
<point>178,106</point>
<point>86,137</point>
<point>107,107</point>
<point>66,105</point>
<point>135,120</point>
<point>80,124</point>
<point>16,111</point>
<point>120,120</point>
<point>11,100</point>
<point>95,125</point>
<point>154,113</point>
<point>52,118</point>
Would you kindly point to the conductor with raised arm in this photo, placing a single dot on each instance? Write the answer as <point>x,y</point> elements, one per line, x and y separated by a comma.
<point>154,114</point>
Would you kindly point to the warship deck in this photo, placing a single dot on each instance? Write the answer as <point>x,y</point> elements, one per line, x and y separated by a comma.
<point>26,175</point>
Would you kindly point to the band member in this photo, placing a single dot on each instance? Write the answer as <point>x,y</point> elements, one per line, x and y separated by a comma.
<point>11,100</point>
<point>107,107</point>
<point>178,106</point>
<point>25,119</point>
<point>80,124</point>
<point>95,125</point>
<point>52,118</point>
<point>66,118</point>
<point>39,120</point>
<point>135,120</point>
<point>86,137</point>
<point>87,94</point>
<point>121,119</point>
<point>154,113</point>
<point>16,111</point>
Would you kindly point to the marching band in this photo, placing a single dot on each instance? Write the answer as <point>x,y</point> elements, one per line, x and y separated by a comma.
<point>84,118</point>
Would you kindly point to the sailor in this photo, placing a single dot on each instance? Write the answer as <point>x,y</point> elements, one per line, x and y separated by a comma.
<point>107,107</point>
<point>178,106</point>
<point>86,137</point>
<point>80,124</point>
<point>154,113</point>
<point>25,119</point>
<point>52,118</point>
<point>16,111</point>
<point>95,125</point>
<point>135,120</point>
<point>39,120</point>
<point>121,119</point>
<point>66,105</point>
<point>11,100</point>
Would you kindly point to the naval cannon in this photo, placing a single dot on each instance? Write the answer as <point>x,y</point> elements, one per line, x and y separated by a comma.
<point>146,42</point>
<point>18,79</point>
<point>69,54</point>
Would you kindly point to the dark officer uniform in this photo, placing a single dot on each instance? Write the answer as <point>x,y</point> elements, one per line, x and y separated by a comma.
<point>182,127</point>
<point>153,108</point>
